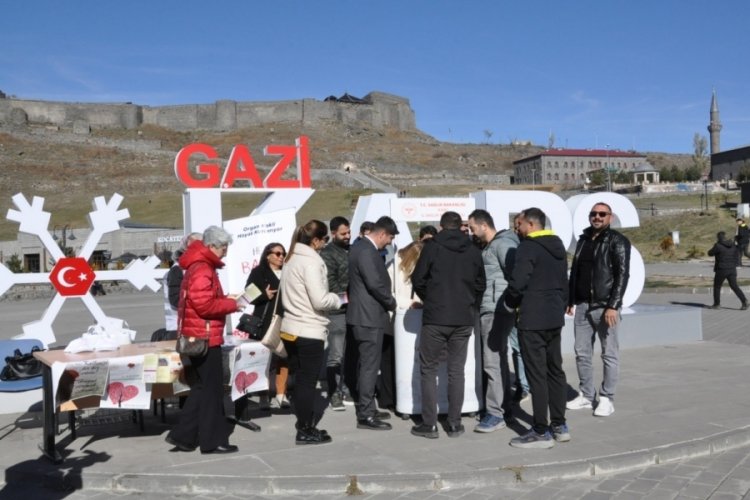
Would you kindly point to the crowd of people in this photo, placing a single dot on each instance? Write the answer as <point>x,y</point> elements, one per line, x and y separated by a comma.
<point>337,299</point>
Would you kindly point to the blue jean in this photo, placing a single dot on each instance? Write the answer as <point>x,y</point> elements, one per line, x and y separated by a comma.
<point>494,331</point>
<point>521,381</point>
<point>335,354</point>
<point>589,323</point>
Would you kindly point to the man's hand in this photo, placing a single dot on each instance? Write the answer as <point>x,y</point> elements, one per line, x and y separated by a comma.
<point>610,317</point>
<point>570,310</point>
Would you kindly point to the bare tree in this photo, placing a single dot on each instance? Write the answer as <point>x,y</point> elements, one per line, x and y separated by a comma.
<point>700,147</point>
<point>488,135</point>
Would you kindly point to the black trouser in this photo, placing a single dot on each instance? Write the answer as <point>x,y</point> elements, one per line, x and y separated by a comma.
<point>202,421</point>
<point>543,362</point>
<point>362,363</point>
<point>305,362</point>
<point>731,276</point>
<point>433,341</point>
<point>386,384</point>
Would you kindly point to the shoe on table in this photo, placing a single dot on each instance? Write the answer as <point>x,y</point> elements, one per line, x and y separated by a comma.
<point>561,433</point>
<point>455,430</point>
<point>337,402</point>
<point>426,431</point>
<point>605,407</point>
<point>490,423</point>
<point>533,440</point>
<point>579,403</point>
<point>373,424</point>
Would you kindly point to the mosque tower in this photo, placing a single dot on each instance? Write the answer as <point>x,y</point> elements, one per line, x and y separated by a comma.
<point>714,127</point>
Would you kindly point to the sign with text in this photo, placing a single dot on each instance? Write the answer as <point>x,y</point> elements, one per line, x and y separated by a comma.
<point>429,209</point>
<point>241,167</point>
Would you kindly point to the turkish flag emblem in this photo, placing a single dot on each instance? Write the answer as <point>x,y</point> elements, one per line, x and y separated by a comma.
<point>72,276</point>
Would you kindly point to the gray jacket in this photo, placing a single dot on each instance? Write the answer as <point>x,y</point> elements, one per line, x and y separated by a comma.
<point>498,257</point>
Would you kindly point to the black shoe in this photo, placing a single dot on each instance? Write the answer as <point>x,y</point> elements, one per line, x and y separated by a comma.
<point>249,424</point>
<point>455,430</point>
<point>424,430</point>
<point>224,448</point>
<point>744,306</point>
<point>311,435</point>
<point>383,415</point>
<point>373,423</point>
<point>179,446</point>
<point>715,306</point>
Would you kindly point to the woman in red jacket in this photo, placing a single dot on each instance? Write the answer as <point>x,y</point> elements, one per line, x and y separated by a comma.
<point>202,313</point>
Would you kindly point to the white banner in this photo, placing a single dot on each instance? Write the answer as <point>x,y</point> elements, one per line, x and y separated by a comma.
<point>251,235</point>
<point>429,209</point>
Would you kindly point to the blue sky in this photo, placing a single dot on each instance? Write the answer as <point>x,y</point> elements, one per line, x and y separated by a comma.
<point>628,74</point>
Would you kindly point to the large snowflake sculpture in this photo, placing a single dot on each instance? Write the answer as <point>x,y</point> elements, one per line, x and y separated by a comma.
<point>72,276</point>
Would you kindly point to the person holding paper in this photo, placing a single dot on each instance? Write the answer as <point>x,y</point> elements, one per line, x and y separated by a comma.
<point>202,313</point>
<point>264,281</point>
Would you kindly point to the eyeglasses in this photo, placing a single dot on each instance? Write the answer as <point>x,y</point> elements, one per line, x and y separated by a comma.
<point>278,254</point>
<point>593,214</point>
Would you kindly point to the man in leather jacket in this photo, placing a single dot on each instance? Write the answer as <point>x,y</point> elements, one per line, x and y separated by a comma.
<point>598,279</point>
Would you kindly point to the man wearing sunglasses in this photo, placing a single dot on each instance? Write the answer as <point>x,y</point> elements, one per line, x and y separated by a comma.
<point>598,279</point>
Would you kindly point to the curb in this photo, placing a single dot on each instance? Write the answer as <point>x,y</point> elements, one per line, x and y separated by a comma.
<point>342,484</point>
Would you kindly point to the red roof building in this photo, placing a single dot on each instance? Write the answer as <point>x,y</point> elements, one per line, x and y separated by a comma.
<point>570,167</point>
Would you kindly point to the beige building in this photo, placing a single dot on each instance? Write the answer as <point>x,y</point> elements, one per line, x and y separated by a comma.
<point>570,167</point>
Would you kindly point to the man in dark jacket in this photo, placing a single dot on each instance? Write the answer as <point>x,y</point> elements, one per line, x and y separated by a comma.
<point>538,290</point>
<point>725,268</point>
<point>370,300</point>
<point>336,256</point>
<point>449,278</point>
<point>598,279</point>
<point>742,238</point>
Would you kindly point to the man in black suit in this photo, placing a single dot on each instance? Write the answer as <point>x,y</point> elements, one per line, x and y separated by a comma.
<point>370,299</point>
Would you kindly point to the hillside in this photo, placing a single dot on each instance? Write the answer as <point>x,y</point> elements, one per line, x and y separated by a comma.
<point>68,168</point>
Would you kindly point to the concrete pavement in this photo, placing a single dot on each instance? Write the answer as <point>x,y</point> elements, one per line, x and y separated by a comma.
<point>674,404</point>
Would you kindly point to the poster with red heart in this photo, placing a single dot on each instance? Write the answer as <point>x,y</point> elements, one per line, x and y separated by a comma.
<point>249,369</point>
<point>125,386</point>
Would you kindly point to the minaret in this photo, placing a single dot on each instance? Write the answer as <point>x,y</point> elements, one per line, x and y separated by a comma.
<point>714,127</point>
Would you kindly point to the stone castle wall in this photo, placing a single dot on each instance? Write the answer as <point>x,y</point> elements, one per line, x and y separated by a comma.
<point>380,110</point>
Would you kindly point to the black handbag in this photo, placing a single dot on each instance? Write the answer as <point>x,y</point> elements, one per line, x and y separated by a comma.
<point>251,325</point>
<point>21,366</point>
<point>192,347</point>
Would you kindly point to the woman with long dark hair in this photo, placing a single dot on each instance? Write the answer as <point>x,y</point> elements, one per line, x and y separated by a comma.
<point>305,297</point>
<point>265,276</point>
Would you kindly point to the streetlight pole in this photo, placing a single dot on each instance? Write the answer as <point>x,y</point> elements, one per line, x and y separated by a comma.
<point>65,236</point>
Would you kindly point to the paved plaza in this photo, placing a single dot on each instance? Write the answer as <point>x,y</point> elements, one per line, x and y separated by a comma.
<point>681,430</point>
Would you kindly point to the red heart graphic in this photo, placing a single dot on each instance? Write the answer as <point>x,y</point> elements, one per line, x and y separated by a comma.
<point>118,393</point>
<point>243,380</point>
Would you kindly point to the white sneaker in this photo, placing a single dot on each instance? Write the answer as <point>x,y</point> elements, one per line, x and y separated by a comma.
<point>605,407</point>
<point>579,403</point>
